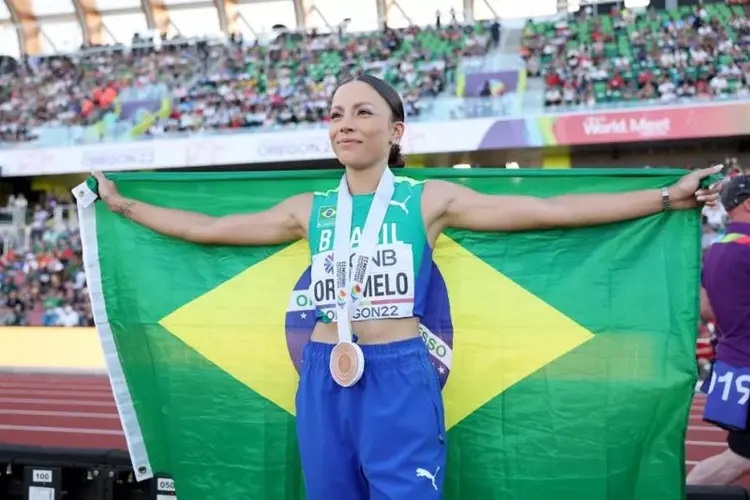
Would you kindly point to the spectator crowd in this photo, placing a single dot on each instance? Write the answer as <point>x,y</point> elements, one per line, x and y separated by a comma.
<point>290,81</point>
<point>232,84</point>
<point>43,283</point>
<point>78,89</point>
<point>664,56</point>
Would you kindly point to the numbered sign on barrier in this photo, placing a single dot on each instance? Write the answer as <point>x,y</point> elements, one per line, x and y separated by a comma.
<point>164,488</point>
<point>728,391</point>
<point>42,483</point>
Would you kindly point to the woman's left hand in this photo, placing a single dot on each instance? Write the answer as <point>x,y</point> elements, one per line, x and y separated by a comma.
<point>686,193</point>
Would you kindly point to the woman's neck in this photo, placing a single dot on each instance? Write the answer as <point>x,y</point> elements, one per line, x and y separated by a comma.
<point>364,181</point>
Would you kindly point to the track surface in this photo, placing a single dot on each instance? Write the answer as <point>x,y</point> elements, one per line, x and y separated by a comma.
<point>72,411</point>
<point>66,411</point>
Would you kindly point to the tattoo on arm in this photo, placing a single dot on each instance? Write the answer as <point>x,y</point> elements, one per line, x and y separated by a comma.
<point>126,208</point>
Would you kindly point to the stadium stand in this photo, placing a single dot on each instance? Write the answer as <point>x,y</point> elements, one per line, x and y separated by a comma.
<point>83,89</point>
<point>660,56</point>
<point>41,276</point>
<point>291,81</point>
<point>201,86</point>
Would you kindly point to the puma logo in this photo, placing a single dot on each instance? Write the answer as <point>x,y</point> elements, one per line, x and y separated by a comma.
<point>429,475</point>
<point>401,204</point>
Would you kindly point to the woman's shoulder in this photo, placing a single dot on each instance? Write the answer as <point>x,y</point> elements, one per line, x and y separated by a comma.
<point>438,188</point>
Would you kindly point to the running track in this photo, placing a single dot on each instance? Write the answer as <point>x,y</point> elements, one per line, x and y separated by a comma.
<point>72,411</point>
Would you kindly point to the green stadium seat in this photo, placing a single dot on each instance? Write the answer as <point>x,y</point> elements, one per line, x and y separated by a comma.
<point>618,44</point>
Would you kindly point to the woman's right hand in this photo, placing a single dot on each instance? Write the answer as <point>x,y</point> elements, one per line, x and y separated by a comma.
<point>107,189</point>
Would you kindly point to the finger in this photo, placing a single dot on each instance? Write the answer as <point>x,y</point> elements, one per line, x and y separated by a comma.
<point>705,172</point>
<point>715,169</point>
<point>98,175</point>
<point>707,198</point>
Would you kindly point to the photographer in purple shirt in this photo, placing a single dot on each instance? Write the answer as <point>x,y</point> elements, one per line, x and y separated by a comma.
<point>725,299</point>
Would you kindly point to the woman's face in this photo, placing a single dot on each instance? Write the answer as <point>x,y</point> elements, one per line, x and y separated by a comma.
<point>361,130</point>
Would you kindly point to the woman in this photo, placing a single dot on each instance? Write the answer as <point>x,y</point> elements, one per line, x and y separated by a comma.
<point>369,410</point>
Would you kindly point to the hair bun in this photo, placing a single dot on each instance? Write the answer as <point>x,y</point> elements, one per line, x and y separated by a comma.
<point>395,158</point>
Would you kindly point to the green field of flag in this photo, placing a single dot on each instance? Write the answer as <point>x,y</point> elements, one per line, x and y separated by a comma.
<point>571,353</point>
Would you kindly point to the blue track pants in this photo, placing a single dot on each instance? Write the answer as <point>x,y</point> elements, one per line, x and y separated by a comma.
<point>382,439</point>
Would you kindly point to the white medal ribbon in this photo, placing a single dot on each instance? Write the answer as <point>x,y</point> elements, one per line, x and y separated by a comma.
<point>349,282</point>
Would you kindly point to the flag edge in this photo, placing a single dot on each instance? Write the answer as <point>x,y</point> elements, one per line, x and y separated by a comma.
<point>420,174</point>
<point>123,400</point>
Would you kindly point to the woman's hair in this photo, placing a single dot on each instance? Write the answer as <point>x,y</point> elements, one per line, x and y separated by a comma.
<point>389,94</point>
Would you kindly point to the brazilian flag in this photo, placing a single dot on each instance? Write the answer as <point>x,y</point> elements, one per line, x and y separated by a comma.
<point>567,356</point>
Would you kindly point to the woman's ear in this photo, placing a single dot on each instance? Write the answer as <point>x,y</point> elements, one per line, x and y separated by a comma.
<point>397,132</point>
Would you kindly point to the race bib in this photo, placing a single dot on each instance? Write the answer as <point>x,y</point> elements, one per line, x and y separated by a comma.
<point>728,391</point>
<point>388,289</point>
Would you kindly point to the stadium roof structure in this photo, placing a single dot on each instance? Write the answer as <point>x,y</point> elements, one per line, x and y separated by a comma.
<point>39,27</point>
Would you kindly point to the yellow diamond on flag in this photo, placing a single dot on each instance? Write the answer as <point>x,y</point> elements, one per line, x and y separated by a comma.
<point>239,325</point>
<point>501,332</point>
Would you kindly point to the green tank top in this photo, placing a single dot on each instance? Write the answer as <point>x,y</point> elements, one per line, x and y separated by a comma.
<point>398,274</point>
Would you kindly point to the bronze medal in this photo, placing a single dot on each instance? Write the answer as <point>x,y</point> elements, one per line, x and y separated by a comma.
<point>347,363</point>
